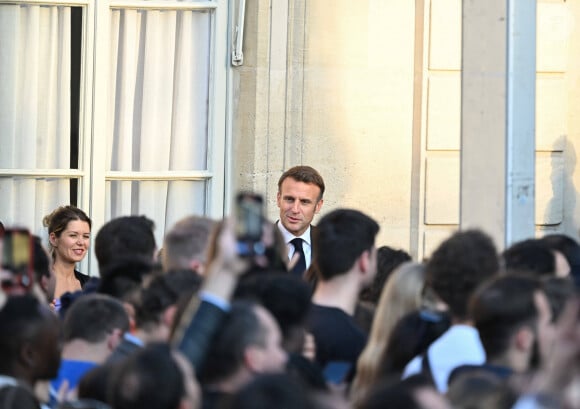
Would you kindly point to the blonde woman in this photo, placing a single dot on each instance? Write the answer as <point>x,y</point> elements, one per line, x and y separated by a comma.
<point>402,294</point>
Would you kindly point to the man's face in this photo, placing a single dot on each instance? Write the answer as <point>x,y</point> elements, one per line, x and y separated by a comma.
<point>298,203</point>
<point>545,330</point>
<point>273,357</point>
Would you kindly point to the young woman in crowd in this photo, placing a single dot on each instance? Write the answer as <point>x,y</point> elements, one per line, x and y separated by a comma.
<point>402,294</point>
<point>69,233</point>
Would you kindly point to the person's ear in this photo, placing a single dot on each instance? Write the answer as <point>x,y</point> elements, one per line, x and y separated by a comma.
<point>318,206</point>
<point>363,261</point>
<point>524,339</point>
<point>169,315</point>
<point>27,354</point>
<point>52,239</point>
<point>253,359</point>
<point>114,339</point>
<point>130,309</point>
<point>197,266</point>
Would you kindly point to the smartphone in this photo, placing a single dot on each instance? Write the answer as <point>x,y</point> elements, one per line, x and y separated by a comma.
<point>337,372</point>
<point>17,260</point>
<point>249,214</point>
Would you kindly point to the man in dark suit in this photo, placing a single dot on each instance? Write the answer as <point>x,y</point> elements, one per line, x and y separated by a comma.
<point>299,198</point>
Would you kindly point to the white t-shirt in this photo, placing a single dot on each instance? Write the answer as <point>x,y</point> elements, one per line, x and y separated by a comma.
<point>459,345</point>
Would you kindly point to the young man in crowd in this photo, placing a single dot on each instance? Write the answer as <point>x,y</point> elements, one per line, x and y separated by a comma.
<point>29,350</point>
<point>93,327</point>
<point>456,268</point>
<point>513,318</point>
<point>346,259</point>
<point>248,343</point>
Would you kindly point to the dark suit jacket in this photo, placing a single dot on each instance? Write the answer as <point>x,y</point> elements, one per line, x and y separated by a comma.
<point>125,349</point>
<point>199,333</point>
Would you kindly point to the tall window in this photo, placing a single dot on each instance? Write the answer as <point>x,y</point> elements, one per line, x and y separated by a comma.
<point>115,106</point>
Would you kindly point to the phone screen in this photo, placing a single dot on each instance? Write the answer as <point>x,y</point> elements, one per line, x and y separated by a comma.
<point>17,258</point>
<point>249,219</point>
<point>249,209</point>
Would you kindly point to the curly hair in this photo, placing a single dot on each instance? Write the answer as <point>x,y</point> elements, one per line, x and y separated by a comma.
<point>458,266</point>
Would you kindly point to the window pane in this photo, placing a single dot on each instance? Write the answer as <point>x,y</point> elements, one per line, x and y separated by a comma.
<point>35,87</point>
<point>160,89</point>
<point>25,201</point>
<point>163,202</point>
<point>37,95</point>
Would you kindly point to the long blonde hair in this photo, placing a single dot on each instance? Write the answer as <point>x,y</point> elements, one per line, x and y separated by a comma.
<point>402,294</point>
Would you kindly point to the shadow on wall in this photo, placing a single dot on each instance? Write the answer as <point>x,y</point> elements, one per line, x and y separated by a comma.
<point>564,193</point>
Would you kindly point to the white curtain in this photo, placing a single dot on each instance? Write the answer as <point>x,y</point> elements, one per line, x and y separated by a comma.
<point>160,62</point>
<point>35,48</point>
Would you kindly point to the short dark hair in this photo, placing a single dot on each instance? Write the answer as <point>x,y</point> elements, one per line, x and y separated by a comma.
<point>92,317</point>
<point>40,260</point>
<point>388,259</point>
<point>22,320</point>
<point>529,256</point>
<point>150,379</point>
<point>305,174</point>
<point>285,296</point>
<point>240,329</point>
<point>571,251</point>
<point>458,266</point>
<point>125,236</point>
<point>340,238</point>
<point>163,292</point>
<point>123,277</point>
<point>400,394</point>
<point>565,245</point>
<point>279,391</point>
<point>500,307</point>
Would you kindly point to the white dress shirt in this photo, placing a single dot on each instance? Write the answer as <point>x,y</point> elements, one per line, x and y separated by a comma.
<point>306,245</point>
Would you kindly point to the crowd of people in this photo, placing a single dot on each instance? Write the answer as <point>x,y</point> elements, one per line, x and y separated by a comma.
<point>315,316</point>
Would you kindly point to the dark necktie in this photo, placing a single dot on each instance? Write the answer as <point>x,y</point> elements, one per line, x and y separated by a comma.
<point>300,265</point>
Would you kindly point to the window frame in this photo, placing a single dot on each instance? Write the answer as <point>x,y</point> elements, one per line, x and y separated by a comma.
<point>94,120</point>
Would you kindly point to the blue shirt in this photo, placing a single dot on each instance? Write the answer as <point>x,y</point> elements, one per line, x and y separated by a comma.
<point>71,371</point>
